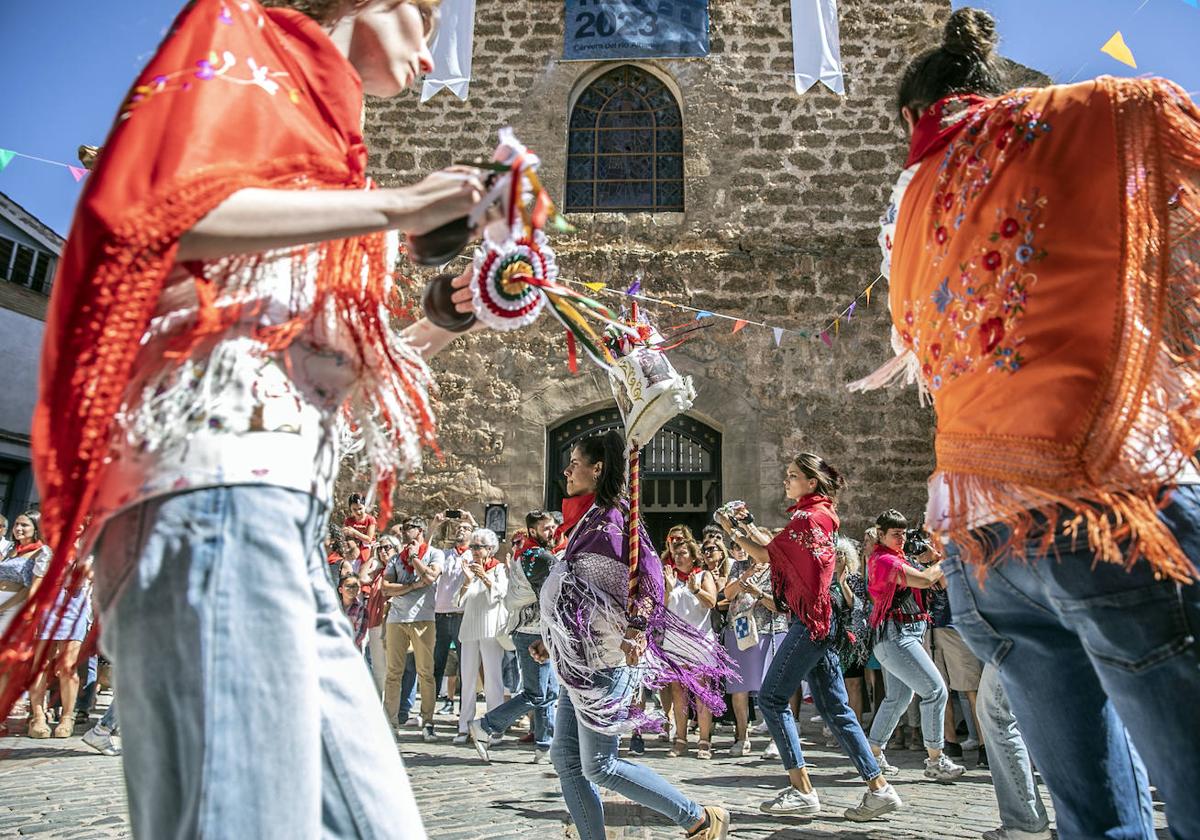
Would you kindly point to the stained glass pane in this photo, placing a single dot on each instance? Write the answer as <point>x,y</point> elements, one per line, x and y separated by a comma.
<point>625,134</point>
<point>625,141</point>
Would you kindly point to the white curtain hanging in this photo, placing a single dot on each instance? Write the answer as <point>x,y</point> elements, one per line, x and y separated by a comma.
<point>816,49</point>
<point>451,50</point>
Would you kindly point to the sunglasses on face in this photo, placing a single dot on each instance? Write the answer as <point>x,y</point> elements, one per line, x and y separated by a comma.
<point>709,550</point>
<point>352,587</point>
<point>477,546</point>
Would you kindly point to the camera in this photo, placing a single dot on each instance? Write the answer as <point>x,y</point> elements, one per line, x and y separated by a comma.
<point>453,514</point>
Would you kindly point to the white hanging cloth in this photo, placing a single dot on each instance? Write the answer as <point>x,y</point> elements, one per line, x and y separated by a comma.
<point>451,50</point>
<point>816,49</point>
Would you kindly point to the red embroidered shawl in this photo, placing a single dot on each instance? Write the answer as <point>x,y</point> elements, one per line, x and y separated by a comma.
<point>802,560</point>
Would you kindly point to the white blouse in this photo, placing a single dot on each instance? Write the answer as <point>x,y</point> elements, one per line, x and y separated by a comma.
<point>484,614</point>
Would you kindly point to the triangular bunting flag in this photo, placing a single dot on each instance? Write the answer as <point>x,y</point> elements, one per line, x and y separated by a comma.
<point>635,287</point>
<point>826,339</point>
<point>1117,48</point>
<point>837,327</point>
<point>703,314</point>
<point>6,158</point>
<point>850,311</point>
<point>77,172</point>
<point>868,293</point>
<point>778,334</point>
<point>737,326</point>
<point>595,287</point>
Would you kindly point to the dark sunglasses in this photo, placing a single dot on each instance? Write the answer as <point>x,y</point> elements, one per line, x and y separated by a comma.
<point>478,545</point>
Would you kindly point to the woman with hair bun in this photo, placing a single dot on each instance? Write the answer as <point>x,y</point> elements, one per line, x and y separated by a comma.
<point>802,559</point>
<point>1041,250</point>
<point>605,649</point>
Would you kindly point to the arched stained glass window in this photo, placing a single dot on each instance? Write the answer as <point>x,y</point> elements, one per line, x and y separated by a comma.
<point>625,146</point>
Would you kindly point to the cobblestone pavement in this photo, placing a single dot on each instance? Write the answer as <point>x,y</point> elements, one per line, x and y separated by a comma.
<point>61,789</point>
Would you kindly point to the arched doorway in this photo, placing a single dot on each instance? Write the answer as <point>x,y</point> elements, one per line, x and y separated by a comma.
<point>681,469</point>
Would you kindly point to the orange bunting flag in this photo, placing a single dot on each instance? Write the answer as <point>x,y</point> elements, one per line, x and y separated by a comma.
<point>738,325</point>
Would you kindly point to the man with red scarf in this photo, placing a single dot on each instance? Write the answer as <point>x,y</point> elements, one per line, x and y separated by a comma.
<point>223,301</point>
<point>408,581</point>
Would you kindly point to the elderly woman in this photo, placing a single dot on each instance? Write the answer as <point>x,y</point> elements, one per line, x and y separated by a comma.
<point>482,599</point>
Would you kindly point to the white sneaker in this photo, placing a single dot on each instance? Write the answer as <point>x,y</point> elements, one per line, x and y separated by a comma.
<point>886,767</point>
<point>102,741</point>
<point>740,748</point>
<point>480,738</point>
<point>1016,834</point>
<point>791,801</point>
<point>460,739</point>
<point>772,751</point>
<point>541,756</point>
<point>428,735</point>
<point>875,803</point>
<point>496,738</point>
<point>759,728</point>
<point>942,769</point>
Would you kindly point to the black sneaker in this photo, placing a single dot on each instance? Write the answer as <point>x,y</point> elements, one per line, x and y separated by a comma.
<point>953,749</point>
<point>982,760</point>
<point>636,745</point>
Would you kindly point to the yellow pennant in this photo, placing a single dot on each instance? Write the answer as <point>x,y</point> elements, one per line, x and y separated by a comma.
<point>595,287</point>
<point>1118,49</point>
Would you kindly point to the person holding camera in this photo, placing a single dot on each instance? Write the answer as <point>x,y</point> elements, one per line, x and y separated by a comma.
<point>481,596</point>
<point>408,581</point>
<point>899,620</point>
<point>802,559</point>
<point>447,613</point>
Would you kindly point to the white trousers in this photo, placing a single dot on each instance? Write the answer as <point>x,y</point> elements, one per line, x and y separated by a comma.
<point>469,656</point>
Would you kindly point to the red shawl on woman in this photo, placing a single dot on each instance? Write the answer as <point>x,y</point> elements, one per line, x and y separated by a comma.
<point>802,559</point>
<point>236,97</point>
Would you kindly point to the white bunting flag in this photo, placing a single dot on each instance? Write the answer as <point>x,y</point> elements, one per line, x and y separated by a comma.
<point>816,49</point>
<point>451,50</point>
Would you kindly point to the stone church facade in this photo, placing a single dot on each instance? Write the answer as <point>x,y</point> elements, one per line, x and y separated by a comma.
<point>781,196</point>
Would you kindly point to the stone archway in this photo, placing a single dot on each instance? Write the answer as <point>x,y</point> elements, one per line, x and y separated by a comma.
<point>681,469</point>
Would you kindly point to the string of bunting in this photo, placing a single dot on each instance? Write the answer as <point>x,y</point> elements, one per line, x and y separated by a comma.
<point>826,335</point>
<point>7,155</point>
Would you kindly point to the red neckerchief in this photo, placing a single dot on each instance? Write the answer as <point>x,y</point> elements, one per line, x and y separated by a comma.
<point>573,509</point>
<point>802,560</point>
<point>940,124</point>
<point>491,563</point>
<point>29,548</point>
<point>405,553</point>
<point>682,577</point>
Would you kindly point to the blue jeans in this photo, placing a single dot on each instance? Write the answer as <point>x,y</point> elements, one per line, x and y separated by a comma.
<point>1016,787</point>
<point>907,669</point>
<point>585,759</point>
<point>539,690</point>
<point>800,658</point>
<point>1096,660</point>
<point>216,606</point>
<point>109,719</point>
<point>408,688</point>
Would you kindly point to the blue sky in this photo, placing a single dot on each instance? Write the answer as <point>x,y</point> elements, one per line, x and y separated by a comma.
<point>67,64</point>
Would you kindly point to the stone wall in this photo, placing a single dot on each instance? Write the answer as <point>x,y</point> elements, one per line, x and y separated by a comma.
<point>783,195</point>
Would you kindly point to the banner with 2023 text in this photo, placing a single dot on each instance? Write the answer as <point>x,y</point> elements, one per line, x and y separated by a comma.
<point>604,29</point>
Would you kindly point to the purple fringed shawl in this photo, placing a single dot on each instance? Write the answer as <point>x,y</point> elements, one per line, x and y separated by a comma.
<point>584,620</point>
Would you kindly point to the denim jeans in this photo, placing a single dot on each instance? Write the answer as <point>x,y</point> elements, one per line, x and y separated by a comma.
<point>216,607</point>
<point>446,626</point>
<point>1096,660</point>
<point>539,690</point>
<point>408,687</point>
<point>907,669</point>
<point>799,658</point>
<point>585,759</point>
<point>1016,787</point>
<point>109,719</point>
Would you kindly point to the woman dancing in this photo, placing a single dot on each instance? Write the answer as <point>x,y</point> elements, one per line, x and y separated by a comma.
<point>802,560</point>
<point>605,649</point>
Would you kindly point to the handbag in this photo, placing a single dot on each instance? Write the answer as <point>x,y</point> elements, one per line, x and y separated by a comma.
<point>745,630</point>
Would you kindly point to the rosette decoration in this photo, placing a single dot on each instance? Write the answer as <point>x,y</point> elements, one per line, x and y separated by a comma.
<point>515,273</point>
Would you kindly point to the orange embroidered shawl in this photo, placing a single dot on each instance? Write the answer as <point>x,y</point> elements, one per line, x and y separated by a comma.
<point>236,97</point>
<point>1046,274</point>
